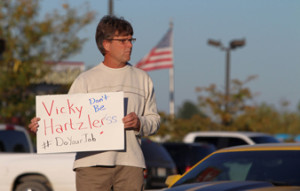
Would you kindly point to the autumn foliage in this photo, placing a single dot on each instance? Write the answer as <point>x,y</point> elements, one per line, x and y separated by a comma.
<point>32,39</point>
<point>243,114</point>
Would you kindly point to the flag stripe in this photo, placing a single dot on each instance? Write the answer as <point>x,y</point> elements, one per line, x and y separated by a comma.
<point>163,53</point>
<point>160,57</point>
<point>160,64</point>
<point>160,60</point>
<point>165,66</point>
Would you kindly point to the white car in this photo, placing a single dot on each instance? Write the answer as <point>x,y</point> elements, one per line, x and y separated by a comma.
<point>43,172</point>
<point>22,169</point>
<point>223,139</point>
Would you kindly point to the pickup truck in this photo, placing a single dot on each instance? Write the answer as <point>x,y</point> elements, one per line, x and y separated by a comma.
<point>21,169</point>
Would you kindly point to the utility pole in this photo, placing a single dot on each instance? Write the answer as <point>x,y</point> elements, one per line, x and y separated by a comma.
<point>111,7</point>
<point>2,47</point>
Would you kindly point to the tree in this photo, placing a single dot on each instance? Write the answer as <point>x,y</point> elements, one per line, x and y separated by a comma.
<point>211,115</point>
<point>188,110</point>
<point>30,40</point>
<point>213,100</point>
<point>243,114</point>
<point>266,118</point>
<point>175,129</point>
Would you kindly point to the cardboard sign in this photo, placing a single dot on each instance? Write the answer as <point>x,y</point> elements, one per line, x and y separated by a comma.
<point>80,122</point>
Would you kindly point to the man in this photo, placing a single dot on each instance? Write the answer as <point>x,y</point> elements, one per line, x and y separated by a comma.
<point>120,170</point>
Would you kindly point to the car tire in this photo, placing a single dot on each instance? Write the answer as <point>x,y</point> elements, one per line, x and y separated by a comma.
<point>32,186</point>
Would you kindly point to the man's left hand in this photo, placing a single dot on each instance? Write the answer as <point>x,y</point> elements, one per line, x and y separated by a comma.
<point>131,121</point>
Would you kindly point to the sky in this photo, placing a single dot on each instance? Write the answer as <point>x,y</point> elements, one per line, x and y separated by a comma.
<point>271,29</point>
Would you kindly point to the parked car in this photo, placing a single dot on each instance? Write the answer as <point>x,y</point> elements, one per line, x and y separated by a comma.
<point>14,139</point>
<point>233,186</point>
<point>284,137</point>
<point>186,155</point>
<point>22,169</point>
<point>159,164</point>
<point>267,165</point>
<point>222,139</point>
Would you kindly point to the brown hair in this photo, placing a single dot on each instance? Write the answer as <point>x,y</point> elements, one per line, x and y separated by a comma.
<point>108,27</point>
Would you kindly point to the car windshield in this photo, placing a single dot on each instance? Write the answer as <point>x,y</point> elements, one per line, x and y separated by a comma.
<point>277,167</point>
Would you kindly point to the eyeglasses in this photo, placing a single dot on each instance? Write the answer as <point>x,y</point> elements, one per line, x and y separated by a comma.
<point>123,41</point>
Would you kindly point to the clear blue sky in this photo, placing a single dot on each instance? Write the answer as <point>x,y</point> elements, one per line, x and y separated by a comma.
<point>272,51</point>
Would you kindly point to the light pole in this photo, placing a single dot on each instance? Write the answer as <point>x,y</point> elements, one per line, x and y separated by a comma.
<point>233,44</point>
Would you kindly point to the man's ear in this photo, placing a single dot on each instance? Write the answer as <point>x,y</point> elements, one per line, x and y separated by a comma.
<point>106,45</point>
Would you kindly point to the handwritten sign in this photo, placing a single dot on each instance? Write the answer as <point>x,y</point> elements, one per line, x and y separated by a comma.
<point>80,122</point>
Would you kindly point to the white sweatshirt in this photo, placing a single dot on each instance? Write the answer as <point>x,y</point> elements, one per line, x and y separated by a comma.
<point>139,97</point>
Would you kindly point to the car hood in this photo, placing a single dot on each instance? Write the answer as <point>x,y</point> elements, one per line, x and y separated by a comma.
<point>230,186</point>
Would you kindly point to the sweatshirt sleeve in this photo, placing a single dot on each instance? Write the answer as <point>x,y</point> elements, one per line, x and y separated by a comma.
<point>150,120</point>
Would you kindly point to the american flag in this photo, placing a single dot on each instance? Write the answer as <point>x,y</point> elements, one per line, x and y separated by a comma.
<point>161,56</point>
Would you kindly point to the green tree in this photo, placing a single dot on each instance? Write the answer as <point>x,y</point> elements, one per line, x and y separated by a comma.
<point>188,110</point>
<point>30,41</point>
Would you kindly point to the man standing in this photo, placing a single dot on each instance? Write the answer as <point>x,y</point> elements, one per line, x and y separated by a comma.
<point>121,170</point>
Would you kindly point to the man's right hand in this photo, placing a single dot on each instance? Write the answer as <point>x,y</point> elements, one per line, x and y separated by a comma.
<point>33,126</point>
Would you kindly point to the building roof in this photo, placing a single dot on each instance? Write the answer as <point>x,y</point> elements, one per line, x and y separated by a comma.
<point>63,72</point>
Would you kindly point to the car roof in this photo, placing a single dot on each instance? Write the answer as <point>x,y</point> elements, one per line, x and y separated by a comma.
<point>246,135</point>
<point>262,147</point>
<point>11,127</point>
<point>195,144</point>
<point>220,133</point>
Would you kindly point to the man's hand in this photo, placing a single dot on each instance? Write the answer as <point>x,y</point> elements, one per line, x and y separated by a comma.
<point>131,121</point>
<point>34,124</point>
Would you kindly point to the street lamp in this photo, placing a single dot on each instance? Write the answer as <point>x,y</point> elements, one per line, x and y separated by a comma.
<point>233,44</point>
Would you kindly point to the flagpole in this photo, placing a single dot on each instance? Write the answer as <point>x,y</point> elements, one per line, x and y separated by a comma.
<point>161,57</point>
<point>171,82</point>
<point>171,79</point>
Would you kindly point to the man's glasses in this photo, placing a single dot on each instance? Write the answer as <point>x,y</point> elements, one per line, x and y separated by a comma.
<point>123,41</point>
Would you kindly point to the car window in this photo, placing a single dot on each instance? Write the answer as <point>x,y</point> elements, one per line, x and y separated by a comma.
<point>221,142</point>
<point>237,170</point>
<point>13,141</point>
<point>265,139</point>
<point>277,167</point>
<point>208,140</point>
<point>154,151</point>
<point>234,142</point>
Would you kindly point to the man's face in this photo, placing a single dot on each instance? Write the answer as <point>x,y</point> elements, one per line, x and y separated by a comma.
<point>119,48</point>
